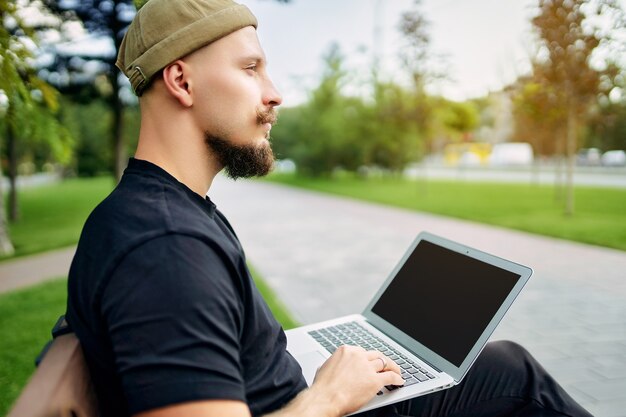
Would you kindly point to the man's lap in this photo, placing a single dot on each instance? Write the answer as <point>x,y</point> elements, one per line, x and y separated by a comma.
<point>504,380</point>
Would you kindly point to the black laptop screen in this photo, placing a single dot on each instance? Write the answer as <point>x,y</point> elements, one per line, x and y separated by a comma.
<point>444,299</point>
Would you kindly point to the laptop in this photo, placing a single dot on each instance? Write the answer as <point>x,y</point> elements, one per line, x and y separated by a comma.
<point>432,316</point>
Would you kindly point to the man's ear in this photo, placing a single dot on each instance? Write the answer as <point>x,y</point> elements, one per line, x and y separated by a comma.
<point>177,82</point>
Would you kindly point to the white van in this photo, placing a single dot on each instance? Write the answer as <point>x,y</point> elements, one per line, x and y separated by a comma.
<point>511,153</point>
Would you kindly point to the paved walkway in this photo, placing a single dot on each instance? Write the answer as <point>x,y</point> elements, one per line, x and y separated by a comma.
<point>31,270</point>
<point>326,256</point>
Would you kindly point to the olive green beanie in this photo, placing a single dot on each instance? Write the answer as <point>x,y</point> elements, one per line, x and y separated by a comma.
<point>166,30</point>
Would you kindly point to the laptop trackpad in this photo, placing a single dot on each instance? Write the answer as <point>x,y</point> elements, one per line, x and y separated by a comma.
<point>310,363</point>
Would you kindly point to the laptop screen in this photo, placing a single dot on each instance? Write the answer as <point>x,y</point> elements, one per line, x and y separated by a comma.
<point>444,299</point>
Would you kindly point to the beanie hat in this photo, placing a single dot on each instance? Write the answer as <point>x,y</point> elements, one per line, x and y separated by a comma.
<point>166,30</point>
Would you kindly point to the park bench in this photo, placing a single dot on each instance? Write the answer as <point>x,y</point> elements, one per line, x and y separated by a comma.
<point>61,385</point>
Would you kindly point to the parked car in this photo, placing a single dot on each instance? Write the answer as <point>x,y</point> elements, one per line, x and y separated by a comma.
<point>588,157</point>
<point>616,158</point>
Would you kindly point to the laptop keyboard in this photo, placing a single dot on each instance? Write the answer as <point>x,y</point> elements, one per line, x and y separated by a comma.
<point>354,334</point>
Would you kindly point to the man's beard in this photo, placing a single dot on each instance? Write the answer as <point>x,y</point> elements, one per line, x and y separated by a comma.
<point>244,161</point>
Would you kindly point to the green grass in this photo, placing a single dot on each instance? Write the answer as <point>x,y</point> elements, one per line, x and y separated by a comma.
<point>599,219</point>
<point>27,316</point>
<point>277,307</point>
<point>52,216</point>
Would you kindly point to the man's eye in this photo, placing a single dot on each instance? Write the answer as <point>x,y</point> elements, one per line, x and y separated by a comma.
<point>251,68</point>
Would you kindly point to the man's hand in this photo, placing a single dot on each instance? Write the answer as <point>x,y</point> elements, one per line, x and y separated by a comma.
<point>353,376</point>
<point>344,383</point>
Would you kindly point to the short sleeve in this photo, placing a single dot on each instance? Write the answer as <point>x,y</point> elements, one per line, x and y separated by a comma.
<point>174,317</point>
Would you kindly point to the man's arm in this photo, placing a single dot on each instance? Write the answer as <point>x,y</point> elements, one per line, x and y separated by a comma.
<point>346,382</point>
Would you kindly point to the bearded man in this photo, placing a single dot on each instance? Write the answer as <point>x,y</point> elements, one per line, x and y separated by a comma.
<point>160,296</point>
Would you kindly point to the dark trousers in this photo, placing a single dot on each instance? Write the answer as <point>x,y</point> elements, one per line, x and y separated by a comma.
<point>505,380</point>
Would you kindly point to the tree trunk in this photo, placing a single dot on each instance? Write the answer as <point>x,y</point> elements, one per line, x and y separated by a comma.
<point>558,177</point>
<point>6,247</point>
<point>571,159</point>
<point>14,211</point>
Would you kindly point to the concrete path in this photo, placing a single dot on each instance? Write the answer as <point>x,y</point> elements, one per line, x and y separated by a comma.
<point>31,270</point>
<point>326,256</point>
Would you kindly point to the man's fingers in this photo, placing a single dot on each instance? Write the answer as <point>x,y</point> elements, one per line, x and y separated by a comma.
<point>377,359</point>
<point>379,363</point>
<point>373,354</point>
<point>390,378</point>
<point>392,366</point>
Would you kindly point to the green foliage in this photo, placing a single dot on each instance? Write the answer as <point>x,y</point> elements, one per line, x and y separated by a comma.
<point>453,121</point>
<point>26,318</point>
<point>337,132</point>
<point>607,128</point>
<point>323,134</point>
<point>31,103</point>
<point>395,135</point>
<point>53,216</point>
<point>529,208</point>
<point>91,123</point>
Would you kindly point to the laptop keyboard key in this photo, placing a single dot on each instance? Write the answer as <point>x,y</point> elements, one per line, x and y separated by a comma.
<point>410,382</point>
<point>421,377</point>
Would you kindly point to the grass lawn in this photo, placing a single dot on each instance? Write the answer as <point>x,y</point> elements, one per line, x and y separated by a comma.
<point>52,216</point>
<point>600,213</point>
<point>27,316</point>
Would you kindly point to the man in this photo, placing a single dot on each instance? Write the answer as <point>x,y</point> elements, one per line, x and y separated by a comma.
<point>159,293</point>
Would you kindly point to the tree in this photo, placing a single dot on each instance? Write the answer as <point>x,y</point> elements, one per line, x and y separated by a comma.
<point>328,133</point>
<point>394,137</point>
<point>416,59</point>
<point>27,105</point>
<point>538,120</point>
<point>563,66</point>
<point>460,119</point>
<point>104,19</point>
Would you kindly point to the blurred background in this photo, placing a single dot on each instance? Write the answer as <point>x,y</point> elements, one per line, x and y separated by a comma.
<point>458,108</point>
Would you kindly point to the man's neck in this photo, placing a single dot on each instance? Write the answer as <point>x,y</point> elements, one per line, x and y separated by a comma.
<point>179,149</point>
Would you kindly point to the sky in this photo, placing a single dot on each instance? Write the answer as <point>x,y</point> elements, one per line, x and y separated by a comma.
<point>482,44</point>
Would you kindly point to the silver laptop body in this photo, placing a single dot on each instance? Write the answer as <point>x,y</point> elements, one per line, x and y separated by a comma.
<point>433,315</point>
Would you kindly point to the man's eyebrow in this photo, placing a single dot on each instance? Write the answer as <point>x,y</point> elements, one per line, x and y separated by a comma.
<point>254,58</point>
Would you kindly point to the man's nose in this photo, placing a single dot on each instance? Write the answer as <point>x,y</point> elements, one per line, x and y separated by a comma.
<point>272,97</point>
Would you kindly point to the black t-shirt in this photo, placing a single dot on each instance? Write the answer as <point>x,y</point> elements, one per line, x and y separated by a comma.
<point>164,306</point>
